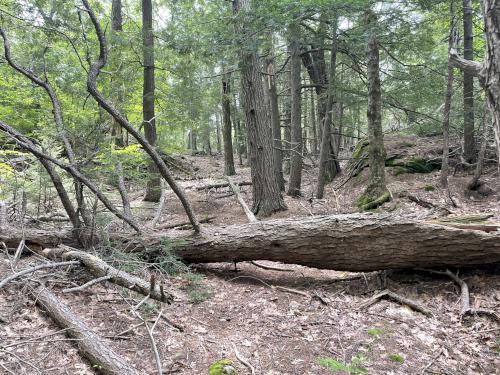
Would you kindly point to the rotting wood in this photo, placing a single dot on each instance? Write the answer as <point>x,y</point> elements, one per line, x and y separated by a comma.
<point>98,268</point>
<point>89,344</point>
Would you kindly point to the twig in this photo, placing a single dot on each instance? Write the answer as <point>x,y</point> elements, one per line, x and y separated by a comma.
<point>243,360</point>
<point>34,269</point>
<point>269,268</point>
<point>87,284</point>
<point>396,297</point>
<point>284,289</point>
<point>424,369</point>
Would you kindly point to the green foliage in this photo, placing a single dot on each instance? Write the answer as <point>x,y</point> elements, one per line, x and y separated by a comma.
<point>415,165</point>
<point>398,358</point>
<point>429,188</point>
<point>354,367</point>
<point>222,367</point>
<point>375,332</point>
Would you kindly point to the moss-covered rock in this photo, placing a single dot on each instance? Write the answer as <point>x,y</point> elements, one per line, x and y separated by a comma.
<point>222,367</point>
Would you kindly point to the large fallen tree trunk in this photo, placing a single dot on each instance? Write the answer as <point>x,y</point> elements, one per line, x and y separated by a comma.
<point>355,242</point>
<point>90,345</point>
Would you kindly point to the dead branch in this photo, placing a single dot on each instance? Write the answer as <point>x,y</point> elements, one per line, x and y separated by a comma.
<point>269,268</point>
<point>251,217</point>
<point>243,360</point>
<point>27,271</point>
<point>90,345</point>
<point>221,185</point>
<point>184,223</point>
<point>87,284</point>
<point>98,268</point>
<point>396,297</point>
<point>161,205</point>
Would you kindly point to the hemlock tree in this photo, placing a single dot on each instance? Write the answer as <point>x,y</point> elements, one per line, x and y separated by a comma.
<point>265,187</point>
<point>153,191</point>
<point>295,112</point>
<point>376,192</point>
<point>226,126</point>
<point>468,88</point>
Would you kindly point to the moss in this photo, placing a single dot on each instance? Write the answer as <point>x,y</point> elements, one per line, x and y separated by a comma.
<point>361,149</point>
<point>367,202</point>
<point>222,367</point>
<point>415,165</point>
<point>429,188</point>
<point>398,358</point>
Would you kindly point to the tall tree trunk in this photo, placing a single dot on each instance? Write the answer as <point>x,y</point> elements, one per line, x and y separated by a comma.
<point>313,126</point>
<point>226,130</point>
<point>326,135</point>
<point>275,121</point>
<point>376,192</point>
<point>475,182</point>
<point>443,178</point>
<point>296,113</point>
<point>116,15</point>
<point>218,131</point>
<point>266,192</point>
<point>468,89</point>
<point>153,191</point>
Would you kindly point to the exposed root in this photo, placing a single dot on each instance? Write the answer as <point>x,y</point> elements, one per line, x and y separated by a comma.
<point>396,297</point>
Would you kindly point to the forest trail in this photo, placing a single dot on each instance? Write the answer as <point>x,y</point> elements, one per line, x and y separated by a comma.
<point>281,322</point>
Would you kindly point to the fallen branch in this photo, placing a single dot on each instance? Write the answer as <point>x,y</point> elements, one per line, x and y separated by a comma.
<point>87,284</point>
<point>98,268</point>
<point>251,217</point>
<point>396,297</point>
<point>243,360</point>
<point>184,223</point>
<point>90,345</point>
<point>269,268</point>
<point>26,271</point>
<point>222,185</point>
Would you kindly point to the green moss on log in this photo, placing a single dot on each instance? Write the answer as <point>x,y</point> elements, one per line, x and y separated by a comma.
<point>367,202</point>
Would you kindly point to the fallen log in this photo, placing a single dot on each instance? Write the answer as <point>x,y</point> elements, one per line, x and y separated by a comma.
<point>222,185</point>
<point>354,242</point>
<point>90,345</point>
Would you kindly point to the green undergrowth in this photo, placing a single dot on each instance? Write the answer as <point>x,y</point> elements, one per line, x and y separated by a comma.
<point>355,367</point>
<point>222,367</point>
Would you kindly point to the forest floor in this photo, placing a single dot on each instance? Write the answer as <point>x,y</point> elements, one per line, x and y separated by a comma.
<point>316,318</point>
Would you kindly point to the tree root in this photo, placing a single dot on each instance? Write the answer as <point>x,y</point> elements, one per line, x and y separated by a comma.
<point>396,297</point>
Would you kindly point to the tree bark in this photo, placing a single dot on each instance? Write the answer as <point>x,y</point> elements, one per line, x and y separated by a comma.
<point>326,136</point>
<point>266,191</point>
<point>443,178</point>
<point>296,113</point>
<point>376,192</point>
<point>354,242</point>
<point>227,127</point>
<point>468,88</point>
<point>116,15</point>
<point>275,121</point>
<point>153,192</point>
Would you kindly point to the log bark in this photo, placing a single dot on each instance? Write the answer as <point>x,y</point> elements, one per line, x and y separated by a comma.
<point>90,345</point>
<point>355,242</point>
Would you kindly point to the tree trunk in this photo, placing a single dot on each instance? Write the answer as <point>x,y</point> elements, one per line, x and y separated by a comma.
<point>468,88</point>
<point>376,192</point>
<point>153,191</point>
<point>275,122</point>
<point>266,191</point>
<point>296,113</point>
<point>326,136</point>
<point>226,130</point>
<point>443,178</point>
<point>475,182</point>
<point>116,15</point>
<point>354,242</point>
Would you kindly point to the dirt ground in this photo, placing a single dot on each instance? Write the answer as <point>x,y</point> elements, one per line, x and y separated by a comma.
<point>281,322</point>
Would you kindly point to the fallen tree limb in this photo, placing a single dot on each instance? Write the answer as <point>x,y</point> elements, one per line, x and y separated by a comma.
<point>98,268</point>
<point>354,242</point>
<point>250,216</point>
<point>27,271</point>
<point>222,185</point>
<point>396,297</point>
<point>90,345</point>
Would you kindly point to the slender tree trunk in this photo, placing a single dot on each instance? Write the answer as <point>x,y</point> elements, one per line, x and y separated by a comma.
<point>266,192</point>
<point>326,136</point>
<point>116,15</point>
<point>475,182</point>
<point>226,131</point>
<point>296,114</point>
<point>218,130</point>
<point>153,191</point>
<point>313,126</point>
<point>376,192</point>
<point>116,28</point>
<point>443,179</point>
<point>468,88</point>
